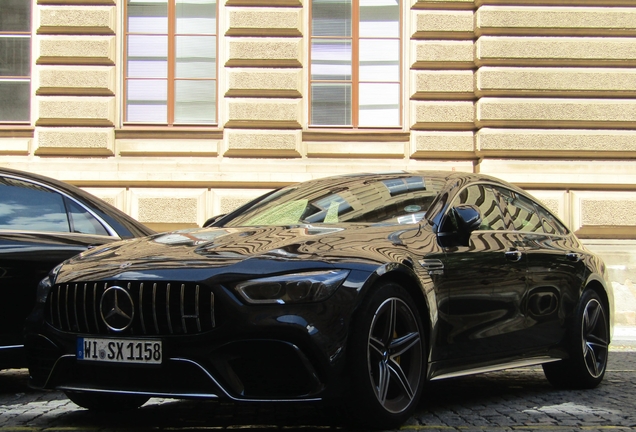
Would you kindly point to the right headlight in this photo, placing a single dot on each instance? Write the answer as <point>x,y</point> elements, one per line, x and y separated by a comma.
<point>292,288</point>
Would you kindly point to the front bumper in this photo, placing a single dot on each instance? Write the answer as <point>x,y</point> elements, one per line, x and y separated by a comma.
<point>256,353</point>
<point>248,370</point>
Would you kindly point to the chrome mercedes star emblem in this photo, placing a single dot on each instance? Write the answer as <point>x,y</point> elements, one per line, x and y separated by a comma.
<point>117,308</point>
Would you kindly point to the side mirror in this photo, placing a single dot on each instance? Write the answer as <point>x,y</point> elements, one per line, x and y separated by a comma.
<point>468,218</point>
<point>460,222</point>
<point>213,220</point>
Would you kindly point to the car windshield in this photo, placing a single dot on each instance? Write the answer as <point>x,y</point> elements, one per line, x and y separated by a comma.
<point>396,199</point>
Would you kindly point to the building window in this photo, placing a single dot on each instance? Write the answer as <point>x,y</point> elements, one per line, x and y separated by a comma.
<point>15,61</point>
<point>170,67</point>
<point>355,62</point>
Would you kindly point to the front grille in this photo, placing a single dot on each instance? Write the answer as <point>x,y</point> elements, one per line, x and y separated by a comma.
<point>166,308</point>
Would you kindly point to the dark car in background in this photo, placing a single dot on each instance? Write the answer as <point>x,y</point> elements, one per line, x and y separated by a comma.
<point>354,289</point>
<point>42,223</point>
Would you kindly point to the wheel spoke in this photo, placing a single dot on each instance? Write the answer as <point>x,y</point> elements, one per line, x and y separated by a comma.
<point>384,380</point>
<point>591,360</point>
<point>592,313</point>
<point>400,378</point>
<point>404,343</point>
<point>376,345</point>
<point>389,325</point>
<point>597,340</point>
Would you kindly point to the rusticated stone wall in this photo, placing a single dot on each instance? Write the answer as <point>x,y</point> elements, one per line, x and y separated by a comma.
<point>539,92</point>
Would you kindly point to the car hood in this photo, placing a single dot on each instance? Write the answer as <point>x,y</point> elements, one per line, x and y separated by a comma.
<point>242,251</point>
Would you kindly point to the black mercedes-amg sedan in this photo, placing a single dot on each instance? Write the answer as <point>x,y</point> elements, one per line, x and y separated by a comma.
<point>42,223</point>
<point>356,289</point>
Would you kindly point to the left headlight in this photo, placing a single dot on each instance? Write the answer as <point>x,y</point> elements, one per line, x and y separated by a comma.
<point>292,288</point>
<point>44,287</point>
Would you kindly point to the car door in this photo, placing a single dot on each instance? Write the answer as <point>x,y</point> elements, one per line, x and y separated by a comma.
<point>485,282</point>
<point>39,228</point>
<point>555,269</point>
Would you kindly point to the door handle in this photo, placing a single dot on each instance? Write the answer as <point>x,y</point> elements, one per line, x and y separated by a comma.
<point>513,255</point>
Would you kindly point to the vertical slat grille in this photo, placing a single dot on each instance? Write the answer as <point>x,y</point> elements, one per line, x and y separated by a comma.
<point>166,309</point>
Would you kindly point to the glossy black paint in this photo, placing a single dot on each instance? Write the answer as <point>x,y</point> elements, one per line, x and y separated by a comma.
<point>488,298</point>
<point>27,253</point>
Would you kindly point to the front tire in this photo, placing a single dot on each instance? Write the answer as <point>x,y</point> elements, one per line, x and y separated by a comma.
<point>106,401</point>
<point>588,347</point>
<point>387,358</point>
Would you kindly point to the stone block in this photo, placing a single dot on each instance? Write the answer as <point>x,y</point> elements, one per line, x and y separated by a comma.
<point>257,82</point>
<point>76,111</point>
<point>182,206</point>
<point>263,113</point>
<point>551,112</point>
<point>442,24</point>
<point>555,81</point>
<point>261,21</point>
<point>76,50</point>
<point>442,115</point>
<point>264,52</point>
<point>612,213</point>
<point>441,144</point>
<point>442,54</point>
<point>556,142</point>
<point>75,141</point>
<point>262,143</point>
<point>544,20</point>
<point>442,85</point>
<point>84,20</point>
<point>76,81</point>
<point>555,51</point>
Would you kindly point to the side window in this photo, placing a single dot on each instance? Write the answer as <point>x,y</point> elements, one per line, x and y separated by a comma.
<point>483,197</point>
<point>522,212</point>
<point>550,224</point>
<point>30,207</point>
<point>82,221</point>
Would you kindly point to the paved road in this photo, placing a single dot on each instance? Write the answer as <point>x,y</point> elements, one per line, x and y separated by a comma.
<point>510,401</point>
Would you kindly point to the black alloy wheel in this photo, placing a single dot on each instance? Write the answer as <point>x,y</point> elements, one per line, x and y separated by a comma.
<point>588,347</point>
<point>388,358</point>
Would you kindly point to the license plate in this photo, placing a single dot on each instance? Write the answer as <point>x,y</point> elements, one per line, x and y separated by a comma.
<point>142,351</point>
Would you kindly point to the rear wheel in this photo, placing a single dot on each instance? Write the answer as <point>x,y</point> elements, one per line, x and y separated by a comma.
<point>588,347</point>
<point>387,358</point>
<point>106,401</point>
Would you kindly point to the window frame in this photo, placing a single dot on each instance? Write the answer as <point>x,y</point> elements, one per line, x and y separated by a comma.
<point>355,69</point>
<point>19,78</point>
<point>170,78</point>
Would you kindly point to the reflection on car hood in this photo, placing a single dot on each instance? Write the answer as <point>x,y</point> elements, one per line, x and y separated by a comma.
<point>240,250</point>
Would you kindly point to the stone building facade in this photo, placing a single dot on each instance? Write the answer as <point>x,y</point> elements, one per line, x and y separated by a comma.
<point>541,93</point>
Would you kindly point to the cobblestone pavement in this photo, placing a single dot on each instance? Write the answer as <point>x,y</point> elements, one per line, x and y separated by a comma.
<point>516,400</point>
